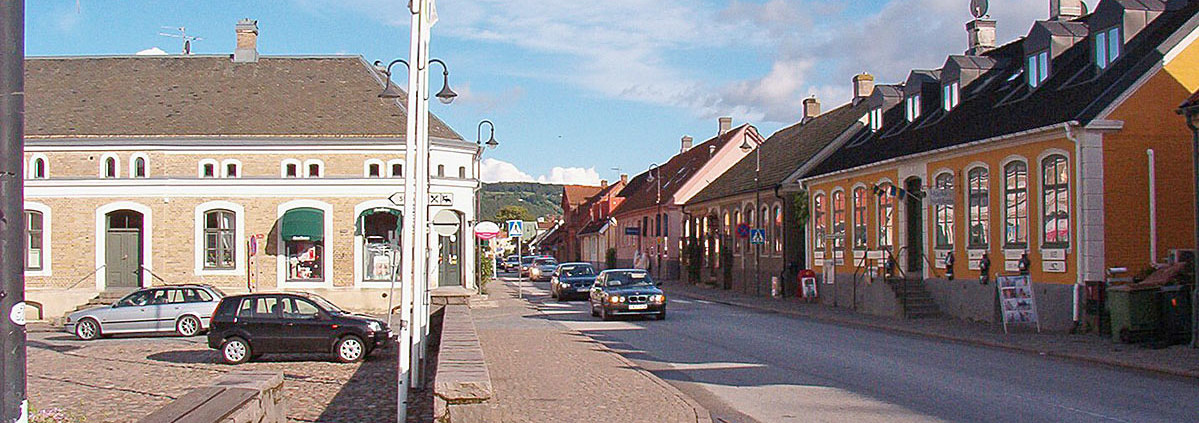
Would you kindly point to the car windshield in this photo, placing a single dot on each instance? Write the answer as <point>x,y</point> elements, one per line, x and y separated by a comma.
<point>547,262</point>
<point>512,259</point>
<point>576,270</point>
<point>139,298</point>
<point>325,304</point>
<point>526,260</point>
<point>219,293</point>
<point>629,278</point>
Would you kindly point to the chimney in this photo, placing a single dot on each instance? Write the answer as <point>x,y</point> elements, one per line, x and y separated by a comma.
<point>603,184</point>
<point>624,179</point>
<point>726,123</point>
<point>1064,10</point>
<point>686,144</point>
<point>980,34</point>
<point>247,41</point>
<point>811,108</point>
<point>863,85</point>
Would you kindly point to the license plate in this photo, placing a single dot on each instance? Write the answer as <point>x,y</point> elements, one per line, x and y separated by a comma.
<point>583,289</point>
<point>638,306</point>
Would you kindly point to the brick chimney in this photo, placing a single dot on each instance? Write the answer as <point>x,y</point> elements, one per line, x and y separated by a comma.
<point>624,179</point>
<point>863,85</point>
<point>726,123</point>
<point>980,35</point>
<point>247,41</point>
<point>1064,10</point>
<point>686,144</point>
<point>603,183</point>
<point>811,108</point>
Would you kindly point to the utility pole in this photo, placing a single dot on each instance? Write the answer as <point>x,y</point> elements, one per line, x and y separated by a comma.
<point>13,404</point>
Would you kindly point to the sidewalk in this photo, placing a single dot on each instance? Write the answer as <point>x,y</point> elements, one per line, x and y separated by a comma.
<point>1176,360</point>
<point>542,371</point>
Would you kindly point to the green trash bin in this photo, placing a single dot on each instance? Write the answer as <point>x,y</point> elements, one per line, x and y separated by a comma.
<point>1135,314</point>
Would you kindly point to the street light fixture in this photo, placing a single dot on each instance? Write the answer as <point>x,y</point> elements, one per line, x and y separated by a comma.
<point>745,148</point>
<point>491,143</point>
<point>654,175</point>
<point>445,96</point>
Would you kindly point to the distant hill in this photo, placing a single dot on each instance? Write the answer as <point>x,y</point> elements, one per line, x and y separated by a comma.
<point>538,199</point>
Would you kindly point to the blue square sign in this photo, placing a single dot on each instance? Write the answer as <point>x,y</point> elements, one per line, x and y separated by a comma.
<point>757,236</point>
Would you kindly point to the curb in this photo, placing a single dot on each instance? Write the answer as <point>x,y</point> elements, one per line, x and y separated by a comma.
<point>957,339</point>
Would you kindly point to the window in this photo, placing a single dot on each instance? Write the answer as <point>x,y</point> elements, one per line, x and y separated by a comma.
<point>440,171</point>
<point>1015,210</point>
<point>838,220</point>
<point>1038,68</point>
<point>886,214</point>
<point>644,226</point>
<point>819,226</point>
<point>943,214</point>
<point>139,167</point>
<point>33,240</point>
<point>38,168</point>
<point>397,170</point>
<point>373,170</point>
<point>232,168</point>
<point>302,230</point>
<point>859,219</point>
<point>1107,47</point>
<point>665,225</point>
<point>913,108</point>
<point>949,96</point>
<point>876,119</point>
<point>461,172</point>
<point>291,168</point>
<point>978,214</point>
<point>778,229</point>
<point>219,248</point>
<point>1055,205</point>
<point>314,170</point>
<point>737,219</point>
<point>208,168</point>
<point>764,216</point>
<point>110,167</point>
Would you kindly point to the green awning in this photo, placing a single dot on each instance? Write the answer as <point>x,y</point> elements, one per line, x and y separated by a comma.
<point>304,224</point>
<point>358,226</point>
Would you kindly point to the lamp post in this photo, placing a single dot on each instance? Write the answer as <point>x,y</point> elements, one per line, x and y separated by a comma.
<point>745,147</point>
<point>655,176</point>
<point>445,96</point>
<point>1192,115</point>
<point>482,146</point>
<point>13,405</point>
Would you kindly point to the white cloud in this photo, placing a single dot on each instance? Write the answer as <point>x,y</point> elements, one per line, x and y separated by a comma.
<point>571,176</point>
<point>493,170</point>
<point>152,51</point>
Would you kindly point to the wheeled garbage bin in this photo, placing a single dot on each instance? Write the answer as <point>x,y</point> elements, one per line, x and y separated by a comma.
<point>1134,311</point>
<point>1176,306</point>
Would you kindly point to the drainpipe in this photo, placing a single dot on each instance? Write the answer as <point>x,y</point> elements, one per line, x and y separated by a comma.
<point>1152,208</point>
<point>1078,158</point>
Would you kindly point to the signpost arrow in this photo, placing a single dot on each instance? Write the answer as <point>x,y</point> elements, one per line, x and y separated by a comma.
<point>397,198</point>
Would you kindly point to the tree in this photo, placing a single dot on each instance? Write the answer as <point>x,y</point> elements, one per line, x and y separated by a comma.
<point>507,213</point>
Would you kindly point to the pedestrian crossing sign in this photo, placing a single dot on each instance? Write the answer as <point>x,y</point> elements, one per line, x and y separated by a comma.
<point>757,236</point>
<point>516,228</point>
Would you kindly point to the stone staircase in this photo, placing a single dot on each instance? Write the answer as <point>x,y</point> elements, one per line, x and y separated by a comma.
<point>915,299</point>
<point>105,298</point>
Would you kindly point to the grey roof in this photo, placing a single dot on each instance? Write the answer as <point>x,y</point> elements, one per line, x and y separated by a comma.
<point>329,96</point>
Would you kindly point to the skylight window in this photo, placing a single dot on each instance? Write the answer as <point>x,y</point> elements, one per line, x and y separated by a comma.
<point>1107,47</point>
<point>913,108</point>
<point>1038,68</point>
<point>876,119</point>
<point>949,96</point>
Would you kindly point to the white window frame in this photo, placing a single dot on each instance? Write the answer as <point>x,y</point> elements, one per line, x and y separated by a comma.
<point>1108,44</point>
<point>116,168</point>
<point>876,118</point>
<point>1040,188</point>
<point>391,164</point>
<point>133,165</point>
<point>32,166</point>
<point>359,255</point>
<point>912,104</point>
<point>216,169</point>
<point>239,239</point>
<point>225,168</point>
<point>283,168</point>
<point>320,168</point>
<point>47,235</point>
<point>950,93</point>
<point>1038,68</point>
<point>366,168</point>
<point>147,238</point>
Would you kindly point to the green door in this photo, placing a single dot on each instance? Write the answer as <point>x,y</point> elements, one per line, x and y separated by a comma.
<point>450,261</point>
<point>123,250</point>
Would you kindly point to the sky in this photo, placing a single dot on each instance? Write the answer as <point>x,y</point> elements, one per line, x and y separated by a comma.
<point>578,91</point>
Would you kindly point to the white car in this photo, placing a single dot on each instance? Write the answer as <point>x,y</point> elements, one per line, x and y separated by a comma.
<point>183,309</point>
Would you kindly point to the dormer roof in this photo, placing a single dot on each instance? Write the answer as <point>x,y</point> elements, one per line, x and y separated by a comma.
<point>1055,36</point>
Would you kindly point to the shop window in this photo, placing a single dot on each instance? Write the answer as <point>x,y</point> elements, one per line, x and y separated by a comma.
<point>859,219</point>
<point>1015,210</point>
<point>978,211</point>
<point>886,217</point>
<point>33,240</point>
<point>838,220</point>
<point>303,232</point>
<point>943,215</point>
<point>220,249</point>
<point>819,227</point>
<point>378,227</point>
<point>1055,205</point>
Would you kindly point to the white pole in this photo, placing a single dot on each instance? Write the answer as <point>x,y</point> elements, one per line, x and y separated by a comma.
<point>410,260</point>
<point>420,61</point>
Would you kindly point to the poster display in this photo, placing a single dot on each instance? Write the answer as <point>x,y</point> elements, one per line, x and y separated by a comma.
<point>1016,301</point>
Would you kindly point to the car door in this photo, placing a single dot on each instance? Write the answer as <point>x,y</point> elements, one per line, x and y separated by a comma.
<point>261,323</point>
<point>306,328</point>
<point>129,314</point>
<point>169,307</point>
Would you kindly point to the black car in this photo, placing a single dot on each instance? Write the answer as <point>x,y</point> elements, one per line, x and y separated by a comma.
<point>572,280</point>
<point>621,292</point>
<point>247,326</point>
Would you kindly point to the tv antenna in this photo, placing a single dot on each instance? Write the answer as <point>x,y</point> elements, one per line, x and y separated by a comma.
<point>187,39</point>
<point>978,8</point>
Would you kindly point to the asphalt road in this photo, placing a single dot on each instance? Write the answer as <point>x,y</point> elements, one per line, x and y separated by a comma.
<point>751,366</point>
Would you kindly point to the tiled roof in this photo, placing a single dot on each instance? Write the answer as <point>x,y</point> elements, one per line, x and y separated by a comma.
<point>211,95</point>
<point>578,194</point>
<point>642,193</point>
<point>593,227</point>
<point>783,153</point>
<point>1001,102</point>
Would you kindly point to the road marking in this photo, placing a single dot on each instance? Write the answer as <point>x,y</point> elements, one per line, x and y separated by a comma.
<point>681,301</point>
<point>704,302</point>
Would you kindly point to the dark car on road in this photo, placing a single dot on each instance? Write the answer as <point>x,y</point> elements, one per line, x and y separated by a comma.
<point>247,326</point>
<point>572,280</point>
<point>512,264</point>
<point>621,292</point>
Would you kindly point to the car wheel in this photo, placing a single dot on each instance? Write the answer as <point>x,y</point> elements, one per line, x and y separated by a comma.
<point>662,315</point>
<point>235,351</point>
<point>553,293</point>
<point>349,349</point>
<point>604,314</point>
<point>87,329</point>
<point>187,326</point>
<point>593,312</point>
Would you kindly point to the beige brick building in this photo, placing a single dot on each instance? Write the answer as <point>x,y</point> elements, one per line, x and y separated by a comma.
<point>265,173</point>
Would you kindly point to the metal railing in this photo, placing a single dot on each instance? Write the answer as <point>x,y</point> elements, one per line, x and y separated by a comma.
<point>151,272</point>
<point>86,277</point>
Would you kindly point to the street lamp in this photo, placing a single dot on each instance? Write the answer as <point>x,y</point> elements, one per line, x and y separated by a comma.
<point>445,96</point>
<point>1192,114</point>
<point>655,175</point>
<point>491,143</point>
<point>745,147</point>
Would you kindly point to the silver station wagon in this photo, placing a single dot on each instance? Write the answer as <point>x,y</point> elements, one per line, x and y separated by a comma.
<point>183,309</point>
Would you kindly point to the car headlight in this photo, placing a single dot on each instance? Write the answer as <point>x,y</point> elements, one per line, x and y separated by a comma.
<point>374,326</point>
<point>614,299</point>
<point>658,298</point>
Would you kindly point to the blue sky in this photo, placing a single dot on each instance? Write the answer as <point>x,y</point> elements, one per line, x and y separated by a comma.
<point>575,88</point>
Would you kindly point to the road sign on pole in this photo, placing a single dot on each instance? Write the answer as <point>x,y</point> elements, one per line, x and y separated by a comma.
<point>516,229</point>
<point>757,236</point>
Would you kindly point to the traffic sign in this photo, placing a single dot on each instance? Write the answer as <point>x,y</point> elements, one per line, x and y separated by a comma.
<point>632,231</point>
<point>441,199</point>
<point>446,223</point>
<point>397,198</point>
<point>516,228</point>
<point>486,230</point>
<point>757,236</point>
<point>743,230</point>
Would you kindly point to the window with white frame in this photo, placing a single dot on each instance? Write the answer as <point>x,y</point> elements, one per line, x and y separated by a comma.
<point>943,215</point>
<point>886,217</point>
<point>314,169</point>
<point>876,118</point>
<point>395,169</point>
<point>949,96</point>
<point>374,170</point>
<point>1107,47</point>
<point>1015,210</point>
<point>859,219</point>
<point>838,220</point>
<point>819,226</point>
<point>208,168</point>
<point>913,108</point>
<point>220,250</point>
<point>137,169</point>
<point>1038,68</point>
<point>290,168</point>
<point>440,171</point>
<point>1055,205</point>
<point>34,240</point>
<point>232,168</point>
<point>38,168</point>
<point>978,211</point>
<point>110,168</point>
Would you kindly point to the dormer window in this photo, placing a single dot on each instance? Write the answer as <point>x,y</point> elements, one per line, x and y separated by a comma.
<point>876,119</point>
<point>1038,69</point>
<point>1107,47</point>
<point>913,108</point>
<point>949,96</point>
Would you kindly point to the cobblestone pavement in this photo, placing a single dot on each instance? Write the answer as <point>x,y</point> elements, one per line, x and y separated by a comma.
<point>1177,360</point>
<point>123,379</point>
<point>542,371</point>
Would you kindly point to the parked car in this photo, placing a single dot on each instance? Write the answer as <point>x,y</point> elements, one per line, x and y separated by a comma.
<point>183,309</point>
<point>571,280</point>
<point>542,268</point>
<point>512,264</point>
<point>247,326</point>
<point>619,292</point>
